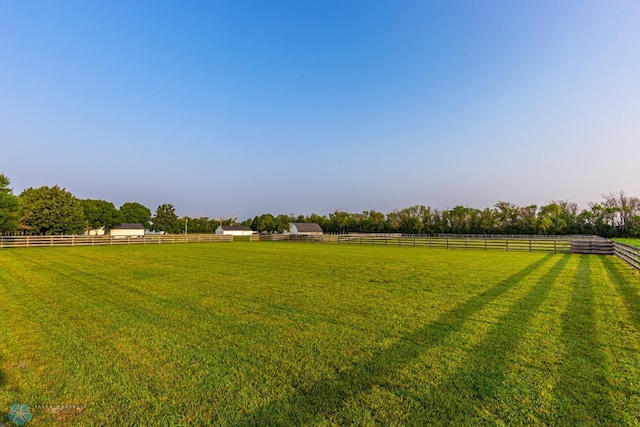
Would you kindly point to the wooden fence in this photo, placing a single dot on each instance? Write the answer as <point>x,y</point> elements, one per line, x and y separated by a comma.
<point>557,244</point>
<point>150,239</point>
<point>629,254</point>
<point>527,245</point>
<point>583,245</point>
<point>288,238</point>
<point>516,236</point>
<point>593,247</point>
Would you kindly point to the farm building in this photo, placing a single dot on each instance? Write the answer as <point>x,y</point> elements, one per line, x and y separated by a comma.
<point>95,231</point>
<point>234,230</point>
<point>303,228</point>
<point>126,230</point>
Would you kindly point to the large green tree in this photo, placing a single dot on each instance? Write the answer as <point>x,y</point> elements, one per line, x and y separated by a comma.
<point>166,220</point>
<point>100,213</point>
<point>623,208</point>
<point>8,206</point>
<point>282,223</point>
<point>558,217</point>
<point>133,212</point>
<point>264,223</point>
<point>51,210</point>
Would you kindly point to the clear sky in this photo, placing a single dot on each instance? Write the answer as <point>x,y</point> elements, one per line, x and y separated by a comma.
<point>240,108</point>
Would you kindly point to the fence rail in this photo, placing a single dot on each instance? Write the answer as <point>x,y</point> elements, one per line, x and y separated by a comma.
<point>628,253</point>
<point>583,245</point>
<point>290,238</point>
<point>558,244</point>
<point>593,247</point>
<point>148,239</point>
<point>571,237</point>
<point>520,244</point>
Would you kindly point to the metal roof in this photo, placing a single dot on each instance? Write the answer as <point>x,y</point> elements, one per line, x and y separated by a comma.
<point>128,226</point>
<point>307,227</point>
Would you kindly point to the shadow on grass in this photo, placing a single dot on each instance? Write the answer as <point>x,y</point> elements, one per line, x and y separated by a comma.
<point>323,399</point>
<point>629,291</point>
<point>479,387</point>
<point>581,396</point>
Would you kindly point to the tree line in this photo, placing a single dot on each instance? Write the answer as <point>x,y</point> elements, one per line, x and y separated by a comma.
<point>54,210</point>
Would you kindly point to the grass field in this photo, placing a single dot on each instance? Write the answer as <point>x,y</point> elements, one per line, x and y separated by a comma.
<point>634,242</point>
<point>300,334</point>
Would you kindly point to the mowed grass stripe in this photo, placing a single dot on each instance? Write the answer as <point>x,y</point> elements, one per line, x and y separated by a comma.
<point>583,362</point>
<point>88,346</point>
<point>474,387</point>
<point>620,317</point>
<point>325,399</point>
<point>278,333</point>
<point>619,340</point>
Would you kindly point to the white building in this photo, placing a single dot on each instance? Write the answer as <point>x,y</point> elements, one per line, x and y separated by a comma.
<point>126,230</point>
<point>234,230</point>
<point>95,232</point>
<point>304,228</point>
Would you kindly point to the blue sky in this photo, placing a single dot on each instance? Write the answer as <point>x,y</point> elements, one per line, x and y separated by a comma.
<point>241,108</point>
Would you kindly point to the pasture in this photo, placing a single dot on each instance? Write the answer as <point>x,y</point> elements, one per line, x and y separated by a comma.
<point>309,334</point>
<point>633,242</point>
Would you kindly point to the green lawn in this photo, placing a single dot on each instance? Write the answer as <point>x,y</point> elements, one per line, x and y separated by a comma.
<point>634,242</point>
<point>309,334</point>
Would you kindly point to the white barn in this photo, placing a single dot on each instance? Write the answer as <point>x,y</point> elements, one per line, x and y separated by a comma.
<point>305,228</point>
<point>234,230</point>
<point>126,230</point>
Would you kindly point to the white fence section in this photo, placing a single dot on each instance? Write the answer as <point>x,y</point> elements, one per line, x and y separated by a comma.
<point>149,239</point>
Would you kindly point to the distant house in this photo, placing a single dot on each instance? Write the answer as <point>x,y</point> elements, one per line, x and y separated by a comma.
<point>234,230</point>
<point>95,231</point>
<point>304,228</point>
<point>126,230</point>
